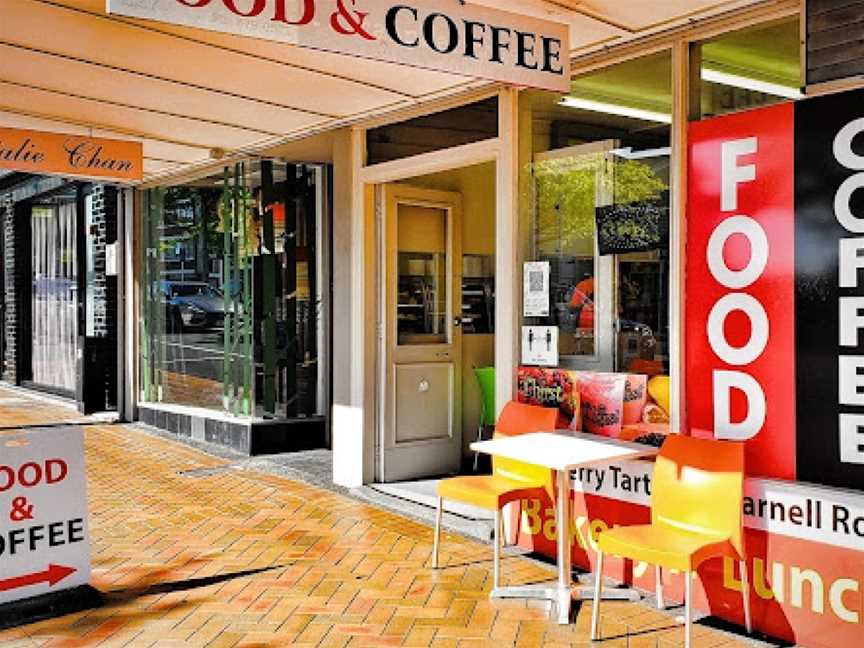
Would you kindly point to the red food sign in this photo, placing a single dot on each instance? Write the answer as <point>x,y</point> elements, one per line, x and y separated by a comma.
<point>740,285</point>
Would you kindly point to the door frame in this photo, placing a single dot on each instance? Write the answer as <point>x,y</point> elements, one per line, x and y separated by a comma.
<point>390,195</point>
<point>355,407</point>
<point>369,178</point>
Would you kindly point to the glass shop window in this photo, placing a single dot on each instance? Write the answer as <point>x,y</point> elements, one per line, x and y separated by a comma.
<point>455,127</point>
<point>231,293</point>
<point>749,68</point>
<point>598,190</point>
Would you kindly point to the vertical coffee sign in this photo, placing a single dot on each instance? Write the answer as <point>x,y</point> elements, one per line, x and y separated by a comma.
<point>829,288</point>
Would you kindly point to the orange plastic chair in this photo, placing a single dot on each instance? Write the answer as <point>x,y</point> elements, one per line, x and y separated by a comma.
<point>696,500</point>
<point>510,480</point>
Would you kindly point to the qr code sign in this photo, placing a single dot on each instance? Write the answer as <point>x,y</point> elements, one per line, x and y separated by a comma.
<point>535,281</point>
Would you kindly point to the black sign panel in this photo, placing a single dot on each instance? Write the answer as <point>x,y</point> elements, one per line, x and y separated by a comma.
<point>827,427</point>
<point>634,227</point>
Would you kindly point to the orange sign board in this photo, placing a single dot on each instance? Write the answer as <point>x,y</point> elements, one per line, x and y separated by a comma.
<point>42,152</point>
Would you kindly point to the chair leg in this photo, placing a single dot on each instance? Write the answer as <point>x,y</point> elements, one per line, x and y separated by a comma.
<point>658,579</point>
<point>437,539</point>
<point>477,454</point>
<point>598,590</point>
<point>496,566</point>
<point>745,593</point>
<point>688,608</point>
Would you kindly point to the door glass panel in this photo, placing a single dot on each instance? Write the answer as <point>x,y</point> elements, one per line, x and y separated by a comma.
<point>423,289</point>
<point>568,191</point>
<point>54,298</point>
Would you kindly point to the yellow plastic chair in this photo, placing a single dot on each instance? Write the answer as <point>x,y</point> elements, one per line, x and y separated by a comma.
<point>510,480</point>
<point>696,500</point>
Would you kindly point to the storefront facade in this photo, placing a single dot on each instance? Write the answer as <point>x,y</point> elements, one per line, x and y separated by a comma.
<point>609,185</point>
<point>338,287</point>
<point>234,335</point>
<point>64,202</point>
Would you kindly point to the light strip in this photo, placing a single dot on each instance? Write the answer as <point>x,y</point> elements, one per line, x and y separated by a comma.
<point>629,154</point>
<point>734,80</point>
<point>615,109</point>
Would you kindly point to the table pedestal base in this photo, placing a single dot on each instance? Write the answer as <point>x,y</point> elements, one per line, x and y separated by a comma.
<point>562,597</point>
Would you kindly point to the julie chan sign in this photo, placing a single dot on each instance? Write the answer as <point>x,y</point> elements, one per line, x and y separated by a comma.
<point>468,40</point>
<point>775,292</point>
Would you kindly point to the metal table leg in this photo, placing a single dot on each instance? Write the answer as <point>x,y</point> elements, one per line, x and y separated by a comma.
<point>560,592</point>
<point>563,590</point>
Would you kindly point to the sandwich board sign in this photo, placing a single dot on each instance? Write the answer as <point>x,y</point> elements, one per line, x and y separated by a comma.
<point>44,533</point>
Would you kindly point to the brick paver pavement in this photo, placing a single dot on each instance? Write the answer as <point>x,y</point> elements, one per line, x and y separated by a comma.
<point>189,551</point>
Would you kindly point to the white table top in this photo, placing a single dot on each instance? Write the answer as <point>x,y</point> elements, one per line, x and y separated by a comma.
<point>563,450</point>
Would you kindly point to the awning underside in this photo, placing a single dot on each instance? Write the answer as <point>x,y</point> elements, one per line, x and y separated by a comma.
<point>187,93</point>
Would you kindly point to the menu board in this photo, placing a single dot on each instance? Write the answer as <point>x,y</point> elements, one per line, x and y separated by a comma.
<point>634,227</point>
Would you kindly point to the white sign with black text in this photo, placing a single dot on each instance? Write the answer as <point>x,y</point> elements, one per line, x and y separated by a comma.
<point>465,39</point>
<point>535,299</point>
<point>805,511</point>
<point>44,534</point>
<point>540,346</point>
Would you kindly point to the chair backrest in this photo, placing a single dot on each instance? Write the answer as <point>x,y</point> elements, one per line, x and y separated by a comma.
<point>486,381</point>
<point>698,485</point>
<point>519,418</point>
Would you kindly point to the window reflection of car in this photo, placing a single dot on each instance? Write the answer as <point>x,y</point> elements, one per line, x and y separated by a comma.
<point>192,305</point>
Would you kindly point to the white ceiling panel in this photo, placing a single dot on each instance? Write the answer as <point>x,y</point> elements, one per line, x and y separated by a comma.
<point>78,78</point>
<point>66,66</point>
<point>642,16</point>
<point>153,149</point>
<point>585,31</point>
<point>147,51</point>
<point>401,80</point>
<point>128,120</point>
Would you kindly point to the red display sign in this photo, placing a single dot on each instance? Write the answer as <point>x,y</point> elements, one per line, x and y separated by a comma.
<point>740,285</point>
<point>803,545</point>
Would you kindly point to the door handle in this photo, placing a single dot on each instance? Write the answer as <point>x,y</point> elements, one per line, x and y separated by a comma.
<point>457,321</point>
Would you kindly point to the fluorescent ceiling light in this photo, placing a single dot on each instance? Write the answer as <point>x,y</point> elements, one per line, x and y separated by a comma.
<point>629,154</point>
<point>715,76</point>
<point>615,109</point>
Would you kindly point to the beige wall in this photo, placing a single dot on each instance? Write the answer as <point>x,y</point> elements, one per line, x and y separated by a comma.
<point>352,422</point>
<point>476,184</point>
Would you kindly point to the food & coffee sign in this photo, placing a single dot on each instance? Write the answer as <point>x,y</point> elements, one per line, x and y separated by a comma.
<point>44,532</point>
<point>447,36</point>
<point>91,157</point>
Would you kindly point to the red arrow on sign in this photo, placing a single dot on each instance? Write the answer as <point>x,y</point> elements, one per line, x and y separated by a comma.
<point>53,575</point>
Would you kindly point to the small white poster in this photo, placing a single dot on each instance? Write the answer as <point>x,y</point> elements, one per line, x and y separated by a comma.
<point>44,532</point>
<point>540,346</point>
<point>536,293</point>
<point>111,259</point>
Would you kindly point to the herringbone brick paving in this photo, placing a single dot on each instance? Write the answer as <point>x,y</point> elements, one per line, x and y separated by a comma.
<point>189,551</point>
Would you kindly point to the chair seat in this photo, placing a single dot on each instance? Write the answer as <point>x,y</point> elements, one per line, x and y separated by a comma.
<point>664,546</point>
<point>487,491</point>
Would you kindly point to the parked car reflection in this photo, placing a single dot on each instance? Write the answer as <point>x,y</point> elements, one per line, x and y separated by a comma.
<point>192,305</point>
